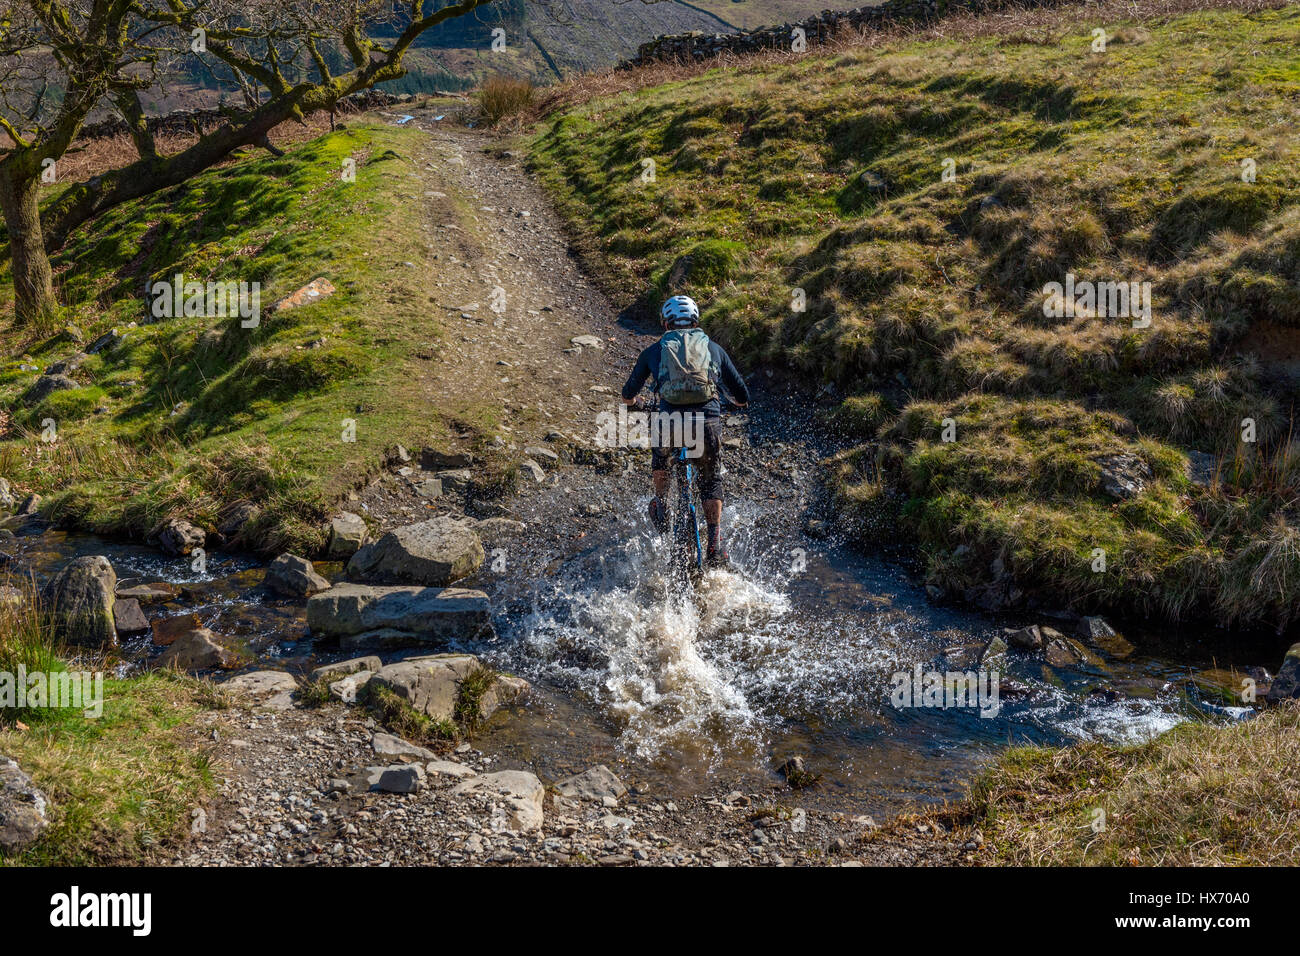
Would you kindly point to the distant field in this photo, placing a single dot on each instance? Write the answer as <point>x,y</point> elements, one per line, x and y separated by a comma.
<point>552,40</point>
<point>748,14</point>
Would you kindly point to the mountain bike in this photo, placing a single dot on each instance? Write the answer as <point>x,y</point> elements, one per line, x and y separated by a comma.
<point>687,559</point>
<point>687,530</point>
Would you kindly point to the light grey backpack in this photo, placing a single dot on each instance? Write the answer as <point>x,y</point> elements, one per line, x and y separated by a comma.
<point>686,373</point>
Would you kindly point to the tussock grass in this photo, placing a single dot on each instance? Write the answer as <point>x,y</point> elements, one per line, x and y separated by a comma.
<point>924,294</point>
<point>1199,795</point>
<point>27,642</point>
<point>405,721</point>
<point>469,696</point>
<point>502,97</point>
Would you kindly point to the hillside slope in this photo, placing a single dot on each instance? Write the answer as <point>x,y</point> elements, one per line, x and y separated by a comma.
<point>1038,459</point>
<point>544,39</point>
<point>582,35</point>
<point>193,414</point>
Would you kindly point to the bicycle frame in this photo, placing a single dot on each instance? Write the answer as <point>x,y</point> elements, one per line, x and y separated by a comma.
<point>687,507</point>
<point>686,497</point>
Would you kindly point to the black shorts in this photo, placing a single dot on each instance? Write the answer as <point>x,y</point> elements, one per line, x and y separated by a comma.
<point>709,463</point>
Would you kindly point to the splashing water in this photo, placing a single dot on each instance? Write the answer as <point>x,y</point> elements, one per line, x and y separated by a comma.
<point>706,670</point>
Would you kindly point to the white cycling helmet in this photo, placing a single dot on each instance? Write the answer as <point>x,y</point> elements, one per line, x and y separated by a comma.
<point>679,310</point>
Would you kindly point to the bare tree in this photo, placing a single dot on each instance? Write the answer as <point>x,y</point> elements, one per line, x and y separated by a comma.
<point>61,59</point>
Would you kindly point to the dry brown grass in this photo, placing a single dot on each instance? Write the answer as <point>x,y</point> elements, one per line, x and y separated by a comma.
<point>1199,795</point>
<point>503,97</point>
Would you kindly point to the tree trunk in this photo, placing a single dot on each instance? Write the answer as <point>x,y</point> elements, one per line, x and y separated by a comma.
<point>128,105</point>
<point>33,279</point>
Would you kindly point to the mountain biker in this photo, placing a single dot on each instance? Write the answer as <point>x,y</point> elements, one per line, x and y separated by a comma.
<point>687,369</point>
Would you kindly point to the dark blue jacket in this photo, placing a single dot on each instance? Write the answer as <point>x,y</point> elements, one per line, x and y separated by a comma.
<point>647,367</point>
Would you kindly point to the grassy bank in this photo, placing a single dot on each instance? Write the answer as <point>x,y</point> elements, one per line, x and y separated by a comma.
<point>1198,795</point>
<point>123,776</point>
<point>190,415</point>
<point>923,293</point>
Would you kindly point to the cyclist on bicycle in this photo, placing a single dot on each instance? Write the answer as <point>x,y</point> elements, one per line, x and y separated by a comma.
<point>687,369</point>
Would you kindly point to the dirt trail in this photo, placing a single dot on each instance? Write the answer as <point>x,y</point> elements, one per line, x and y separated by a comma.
<point>280,798</point>
<point>512,296</point>
<point>509,298</point>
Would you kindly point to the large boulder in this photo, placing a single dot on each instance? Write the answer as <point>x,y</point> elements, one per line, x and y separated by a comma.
<point>430,685</point>
<point>81,597</point>
<point>129,618</point>
<point>433,553</point>
<point>292,576</point>
<point>272,690</point>
<point>429,615</point>
<point>1286,685</point>
<point>177,536</point>
<point>347,535</point>
<point>45,386</point>
<point>22,808</point>
<point>595,784</point>
<point>197,650</point>
<point>167,630</point>
<point>7,499</point>
<point>517,792</point>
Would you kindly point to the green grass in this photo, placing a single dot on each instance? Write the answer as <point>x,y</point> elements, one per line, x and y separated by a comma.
<point>191,414</point>
<point>469,697</point>
<point>123,778</point>
<point>924,293</point>
<point>121,787</point>
<point>405,721</point>
<point>1198,795</point>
